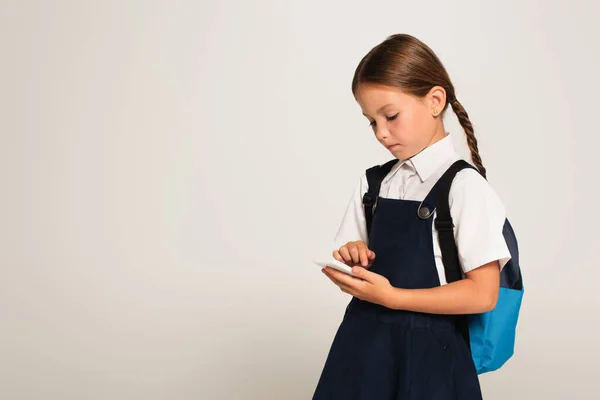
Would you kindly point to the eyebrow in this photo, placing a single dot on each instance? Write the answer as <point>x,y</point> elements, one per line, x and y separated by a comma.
<point>380,108</point>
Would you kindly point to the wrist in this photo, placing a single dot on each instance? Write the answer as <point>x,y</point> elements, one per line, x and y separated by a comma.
<point>394,298</point>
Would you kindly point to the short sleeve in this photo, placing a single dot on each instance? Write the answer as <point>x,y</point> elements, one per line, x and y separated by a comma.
<point>479,216</point>
<point>353,226</point>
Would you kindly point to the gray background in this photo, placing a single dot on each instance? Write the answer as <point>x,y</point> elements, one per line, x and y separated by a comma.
<point>170,169</point>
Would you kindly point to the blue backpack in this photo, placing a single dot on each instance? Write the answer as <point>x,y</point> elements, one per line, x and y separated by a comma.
<point>490,335</point>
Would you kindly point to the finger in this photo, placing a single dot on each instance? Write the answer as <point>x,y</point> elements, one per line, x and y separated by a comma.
<point>341,285</point>
<point>346,289</point>
<point>354,254</point>
<point>329,274</point>
<point>365,275</point>
<point>364,258</point>
<point>338,256</point>
<point>345,253</point>
<point>342,277</point>
<point>371,258</point>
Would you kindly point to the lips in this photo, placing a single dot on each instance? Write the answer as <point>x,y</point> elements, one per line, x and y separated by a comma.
<point>391,146</point>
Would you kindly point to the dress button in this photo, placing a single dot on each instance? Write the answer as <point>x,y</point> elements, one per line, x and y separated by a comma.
<point>424,212</point>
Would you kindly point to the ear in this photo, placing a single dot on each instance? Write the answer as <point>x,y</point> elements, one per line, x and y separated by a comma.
<point>436,99</point>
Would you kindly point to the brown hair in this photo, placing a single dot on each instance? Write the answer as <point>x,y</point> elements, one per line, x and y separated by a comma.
<point>405,62</point>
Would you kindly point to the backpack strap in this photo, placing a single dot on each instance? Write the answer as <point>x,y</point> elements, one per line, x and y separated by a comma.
<point>375,176</point>
<point>444,224</point>
<point>445,227</point>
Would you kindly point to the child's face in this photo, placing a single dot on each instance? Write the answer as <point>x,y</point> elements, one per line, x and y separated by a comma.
<point>403,123</point>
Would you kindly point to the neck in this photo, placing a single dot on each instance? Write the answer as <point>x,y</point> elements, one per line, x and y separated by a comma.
<point>440,133</point>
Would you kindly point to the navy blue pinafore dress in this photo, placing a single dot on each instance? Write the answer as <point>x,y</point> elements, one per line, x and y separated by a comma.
<point>380,353</point>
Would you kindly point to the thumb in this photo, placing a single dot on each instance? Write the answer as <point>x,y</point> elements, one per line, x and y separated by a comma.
<point>363,273</point>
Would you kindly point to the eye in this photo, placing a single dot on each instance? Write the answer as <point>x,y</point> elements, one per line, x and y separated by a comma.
<point>393,117</point>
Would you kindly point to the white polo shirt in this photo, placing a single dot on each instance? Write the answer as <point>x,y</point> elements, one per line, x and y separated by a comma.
<point>477,211</point>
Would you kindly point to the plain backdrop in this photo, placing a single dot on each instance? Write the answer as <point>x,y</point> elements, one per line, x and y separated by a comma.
<point>169,170</point>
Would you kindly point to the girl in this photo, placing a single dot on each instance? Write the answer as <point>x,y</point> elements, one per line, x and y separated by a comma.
<point>399,337</point>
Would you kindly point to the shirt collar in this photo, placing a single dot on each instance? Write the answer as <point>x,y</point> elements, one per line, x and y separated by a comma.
<point>428,160</point>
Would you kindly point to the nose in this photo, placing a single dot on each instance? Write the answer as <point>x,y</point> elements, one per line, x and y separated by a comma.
<point>381,133</point>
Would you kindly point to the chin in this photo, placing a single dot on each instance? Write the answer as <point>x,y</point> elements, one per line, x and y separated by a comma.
<point>398,153</point>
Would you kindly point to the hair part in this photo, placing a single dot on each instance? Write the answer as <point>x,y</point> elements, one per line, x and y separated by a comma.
<point>405,62</point>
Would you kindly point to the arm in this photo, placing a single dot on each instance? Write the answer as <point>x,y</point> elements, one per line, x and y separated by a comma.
<point>353,226</point>
<point>477,293</point>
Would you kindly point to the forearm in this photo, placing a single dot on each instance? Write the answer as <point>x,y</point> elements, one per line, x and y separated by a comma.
<point>460,297</point>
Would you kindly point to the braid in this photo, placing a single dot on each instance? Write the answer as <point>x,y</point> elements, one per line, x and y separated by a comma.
<point>465,122</point>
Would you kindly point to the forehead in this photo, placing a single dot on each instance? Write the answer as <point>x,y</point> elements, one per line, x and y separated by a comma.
<point>372,98</point>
